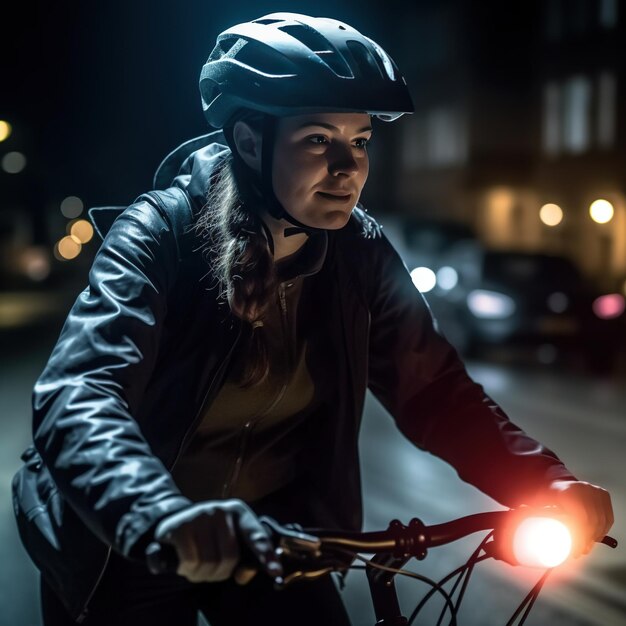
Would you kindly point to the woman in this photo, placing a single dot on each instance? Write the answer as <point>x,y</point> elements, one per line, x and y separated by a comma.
<point>215,367</point>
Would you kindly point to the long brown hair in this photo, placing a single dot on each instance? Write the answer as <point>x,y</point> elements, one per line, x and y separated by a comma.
<point>241,261</point>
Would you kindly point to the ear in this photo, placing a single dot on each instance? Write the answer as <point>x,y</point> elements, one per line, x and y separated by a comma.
<point>248,143</point>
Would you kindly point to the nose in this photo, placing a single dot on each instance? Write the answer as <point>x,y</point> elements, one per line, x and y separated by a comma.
<point>341,161</point>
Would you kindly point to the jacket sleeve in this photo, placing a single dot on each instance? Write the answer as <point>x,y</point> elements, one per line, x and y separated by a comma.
<point>85,399</point>
<point>418,377</point>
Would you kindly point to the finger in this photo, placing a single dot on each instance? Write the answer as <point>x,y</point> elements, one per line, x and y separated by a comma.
<point>607,507</point>
<point>259,541</point>
<point>227,546</point>
<point>243,575</point>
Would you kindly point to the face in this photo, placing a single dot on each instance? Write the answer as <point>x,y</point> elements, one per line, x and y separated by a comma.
<point>320,166</point>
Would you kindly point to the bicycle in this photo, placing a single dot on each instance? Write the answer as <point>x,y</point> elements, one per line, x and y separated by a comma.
<point>308,553</point>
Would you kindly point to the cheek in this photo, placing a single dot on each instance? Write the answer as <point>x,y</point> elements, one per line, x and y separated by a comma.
<point>293,178</point>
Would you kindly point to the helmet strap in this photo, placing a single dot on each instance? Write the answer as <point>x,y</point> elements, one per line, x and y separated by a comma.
<point>273,206</point>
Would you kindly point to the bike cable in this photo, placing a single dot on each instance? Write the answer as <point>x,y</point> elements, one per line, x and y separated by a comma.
<point>463,572</point>
<point>436,587</point>
<point>529,600</point>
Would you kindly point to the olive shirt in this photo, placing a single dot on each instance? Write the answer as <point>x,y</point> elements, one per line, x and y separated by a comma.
<point>249,440</point>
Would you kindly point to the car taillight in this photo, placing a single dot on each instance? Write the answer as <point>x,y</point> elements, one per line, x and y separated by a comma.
<point>609,307</point>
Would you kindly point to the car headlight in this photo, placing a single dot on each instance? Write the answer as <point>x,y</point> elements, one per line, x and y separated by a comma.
<point>490,304</point>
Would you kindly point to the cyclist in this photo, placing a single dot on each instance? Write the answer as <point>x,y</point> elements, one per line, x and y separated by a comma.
<point>214,372</point>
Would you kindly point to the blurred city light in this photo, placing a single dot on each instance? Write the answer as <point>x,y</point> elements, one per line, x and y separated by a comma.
<point>71,207</point>
<point>551,214</point>
<point>609,306</point>
<point>501,199</point>
<point>558,302</point>
<point>13,162</point>
<point>81,230</point>
<point>447,277</point>
<point>424,279</point>
<point>5,130</point>
<point>67,248</point>
<point>601,211</point>
<point>490,304</point>
<point>35,263</point>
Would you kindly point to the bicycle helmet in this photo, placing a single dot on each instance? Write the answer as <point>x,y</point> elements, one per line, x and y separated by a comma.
<point>291,64</point>
<point>288,64</point>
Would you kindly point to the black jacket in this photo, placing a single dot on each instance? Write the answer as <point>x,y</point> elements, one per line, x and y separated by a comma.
<point>147,343</point>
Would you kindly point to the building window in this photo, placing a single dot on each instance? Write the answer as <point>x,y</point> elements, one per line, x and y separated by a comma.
<point>551,132</point>
<point>607,15</point>
<point>553,20</point>
<point>567,114</point>
<point>446,137</point>
<point>436,138</point>
<point>606,118</point>
<point>576,114</point>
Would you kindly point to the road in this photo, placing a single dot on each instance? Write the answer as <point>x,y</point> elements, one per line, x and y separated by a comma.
<point>583,420</point>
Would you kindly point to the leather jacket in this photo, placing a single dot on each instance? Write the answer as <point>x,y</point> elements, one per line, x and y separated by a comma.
<point>145,348</point>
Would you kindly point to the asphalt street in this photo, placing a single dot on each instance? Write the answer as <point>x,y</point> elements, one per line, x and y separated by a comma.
<point>582,419</point>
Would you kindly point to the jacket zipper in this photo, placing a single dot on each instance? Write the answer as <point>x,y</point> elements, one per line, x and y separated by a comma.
<point>85,610</point>
<point>198,416</point>
<point>251,423</point>
<point>83,614</point>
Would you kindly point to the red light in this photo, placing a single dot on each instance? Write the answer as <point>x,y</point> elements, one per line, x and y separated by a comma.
<point>609,307</point>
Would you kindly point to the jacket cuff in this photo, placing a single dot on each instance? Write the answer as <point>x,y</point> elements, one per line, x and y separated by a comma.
<point>135,529</point>
<point>539,495</point>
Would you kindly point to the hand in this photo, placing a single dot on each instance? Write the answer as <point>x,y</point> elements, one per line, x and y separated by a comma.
<point>589,506</point>
<point>209,538</point>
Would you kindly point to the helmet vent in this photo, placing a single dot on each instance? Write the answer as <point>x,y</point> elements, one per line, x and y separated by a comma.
<point>227,47</point>
<point>266,21</point>
<point>364,59</point>
<point>320,46</point>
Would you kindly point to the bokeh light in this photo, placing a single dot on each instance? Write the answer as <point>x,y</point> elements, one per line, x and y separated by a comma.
<point>558,302</point>
<point>424,279</point>
<point>81,230</point>
<point>5,130</point>
<point>72,207</point>
<point>13,162</point>
<point>67,248</point>
<point>601,211</point>
<point>610,306</point>
<point>35,263</point>
<point>447,277</point>
<point>551,214</point>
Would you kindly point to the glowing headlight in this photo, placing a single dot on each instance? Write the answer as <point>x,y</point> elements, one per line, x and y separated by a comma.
<point>541,542</point>
<point>490,304</point>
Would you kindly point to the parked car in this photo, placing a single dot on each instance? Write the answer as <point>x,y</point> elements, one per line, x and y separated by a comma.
<point>485,297</point>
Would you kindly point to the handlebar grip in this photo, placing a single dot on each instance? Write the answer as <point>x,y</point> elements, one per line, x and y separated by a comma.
<point>607,540</point>
<point>161,558</point>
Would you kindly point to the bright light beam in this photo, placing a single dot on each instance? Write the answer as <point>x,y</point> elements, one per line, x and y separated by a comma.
<point>541,542</point>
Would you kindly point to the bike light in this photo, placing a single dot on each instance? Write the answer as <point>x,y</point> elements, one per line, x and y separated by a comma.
<point>541,542</point>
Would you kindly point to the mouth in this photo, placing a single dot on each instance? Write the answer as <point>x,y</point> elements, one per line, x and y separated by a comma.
<point>333,197</point>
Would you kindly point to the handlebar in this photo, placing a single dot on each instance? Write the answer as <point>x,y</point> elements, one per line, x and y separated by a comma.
<point>312,552</point>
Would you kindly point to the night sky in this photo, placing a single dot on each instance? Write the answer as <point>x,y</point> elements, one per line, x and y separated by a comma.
<point>99,93</point>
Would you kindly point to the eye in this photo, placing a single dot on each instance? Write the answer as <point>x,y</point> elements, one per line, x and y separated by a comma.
<point>314,139</point>
<point>363,142</point>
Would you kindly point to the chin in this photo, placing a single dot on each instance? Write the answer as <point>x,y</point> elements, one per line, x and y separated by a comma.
<point>330,220</point>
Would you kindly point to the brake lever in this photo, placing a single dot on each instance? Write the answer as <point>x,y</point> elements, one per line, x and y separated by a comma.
<point>292,540</point>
